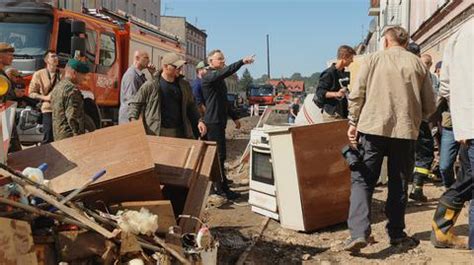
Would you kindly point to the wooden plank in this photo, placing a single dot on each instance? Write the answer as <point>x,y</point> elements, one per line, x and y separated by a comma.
<point>163,209</point>
<point>323,176</point>
<point>199,190</point>
<point>121,150</point>
<point>16,242</point>
<point>176,159</point>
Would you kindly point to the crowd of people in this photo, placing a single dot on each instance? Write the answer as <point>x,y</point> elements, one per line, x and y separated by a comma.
<point>166,102</point>
<point>391,108</point>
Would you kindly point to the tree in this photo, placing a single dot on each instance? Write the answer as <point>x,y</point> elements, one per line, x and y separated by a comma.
<point>245,81</point>
<point>262,80</point>
<point>297,76</point>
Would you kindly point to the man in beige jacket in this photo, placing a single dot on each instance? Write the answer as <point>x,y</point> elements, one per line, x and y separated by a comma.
<point>390,97</point>
<point>41,85</point>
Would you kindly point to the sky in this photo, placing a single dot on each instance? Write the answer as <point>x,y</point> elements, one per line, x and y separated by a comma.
<point>304,34</point>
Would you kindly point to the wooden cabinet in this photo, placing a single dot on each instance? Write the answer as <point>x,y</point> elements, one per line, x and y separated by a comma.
<point>312,179</point>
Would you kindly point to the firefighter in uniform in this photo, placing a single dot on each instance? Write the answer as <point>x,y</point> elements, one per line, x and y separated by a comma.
<point>67,102</point>
<point>7,93</point>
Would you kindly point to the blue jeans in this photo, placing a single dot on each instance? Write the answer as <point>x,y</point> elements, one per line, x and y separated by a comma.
<point>448,151</point>
<point>291,119</point>
<point>471,207</point>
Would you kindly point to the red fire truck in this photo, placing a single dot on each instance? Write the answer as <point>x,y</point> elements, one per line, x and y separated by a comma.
<point>107,39</point>
<point>261,94</point>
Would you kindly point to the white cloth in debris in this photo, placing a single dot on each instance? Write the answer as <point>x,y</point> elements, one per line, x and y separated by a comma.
<point>134,222</point>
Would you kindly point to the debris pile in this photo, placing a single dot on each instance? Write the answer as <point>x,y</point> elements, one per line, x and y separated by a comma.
<point>142,205</point>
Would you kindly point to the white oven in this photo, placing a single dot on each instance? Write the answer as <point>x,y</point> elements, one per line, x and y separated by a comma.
<point>262,194</point>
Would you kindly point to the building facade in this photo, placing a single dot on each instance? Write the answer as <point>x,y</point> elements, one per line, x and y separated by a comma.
<point>193,39</point>
<point>293,87</point>
<point>385,13</point>
<point>433,22</point>
<point>146,10</point>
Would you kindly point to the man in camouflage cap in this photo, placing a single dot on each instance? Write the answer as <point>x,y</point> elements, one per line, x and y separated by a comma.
<point>67,102</point>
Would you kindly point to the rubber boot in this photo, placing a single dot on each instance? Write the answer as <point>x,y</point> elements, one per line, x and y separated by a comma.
<point>416,193</point>
<point>443,221</point>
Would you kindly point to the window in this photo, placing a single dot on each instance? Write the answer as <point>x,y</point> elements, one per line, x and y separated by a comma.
<point>28,33</point>
<point>393,15</point>
<point>91,45</point>
<point>152,17</point>
<point>126,6</point>
<point>107,50</point>
<point>134,9</point>
<point>64,38</point>
<point>144,14</point>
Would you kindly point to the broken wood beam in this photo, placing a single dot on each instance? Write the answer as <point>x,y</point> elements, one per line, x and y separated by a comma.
<point>70,211</point>
<point>37,211</point>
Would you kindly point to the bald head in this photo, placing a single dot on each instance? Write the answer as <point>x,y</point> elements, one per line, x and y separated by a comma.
<point>141,59</point>
<point>427,60</point>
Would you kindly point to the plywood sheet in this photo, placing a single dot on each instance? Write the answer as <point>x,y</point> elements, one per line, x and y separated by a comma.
<point>121,150</point>
<point>323,176</point>
<point>176,160</point>
<point>200,188</point>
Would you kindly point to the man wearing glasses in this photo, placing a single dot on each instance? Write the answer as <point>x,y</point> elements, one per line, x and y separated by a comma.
<point>167,102</point>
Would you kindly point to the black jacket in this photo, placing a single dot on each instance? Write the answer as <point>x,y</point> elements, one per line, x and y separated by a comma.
<point>329,82</point>
<point>214,91</point>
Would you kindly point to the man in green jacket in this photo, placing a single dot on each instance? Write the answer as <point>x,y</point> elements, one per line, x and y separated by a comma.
<point>166,103</point>
<point>67,102</point>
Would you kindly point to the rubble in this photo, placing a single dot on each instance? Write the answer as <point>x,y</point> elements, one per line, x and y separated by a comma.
<point>119,215</point>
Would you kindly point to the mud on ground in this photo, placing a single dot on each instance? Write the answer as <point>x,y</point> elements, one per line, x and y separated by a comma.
<point>236,226</point>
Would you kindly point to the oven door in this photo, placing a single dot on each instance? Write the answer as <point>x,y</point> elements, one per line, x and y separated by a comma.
<point>261,170</point>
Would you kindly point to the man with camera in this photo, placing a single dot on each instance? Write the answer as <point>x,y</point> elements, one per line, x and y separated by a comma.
<point>331,91</point>
<point>386,106</point>
<point>41,86</point>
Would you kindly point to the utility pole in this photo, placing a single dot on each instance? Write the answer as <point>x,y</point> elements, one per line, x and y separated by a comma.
<point>268,56</point>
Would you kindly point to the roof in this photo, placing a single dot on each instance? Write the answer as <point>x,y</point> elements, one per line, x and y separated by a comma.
<point>291,85</point>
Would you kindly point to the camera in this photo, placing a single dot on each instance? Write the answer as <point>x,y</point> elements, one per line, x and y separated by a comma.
<point>353,157</point>
<point>344,82</point>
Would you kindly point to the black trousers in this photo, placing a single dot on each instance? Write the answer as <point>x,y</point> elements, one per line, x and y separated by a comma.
<point>424,154</point>
<point>462,190</point>
<point>15,144</point>
<point>216,133</point>
<point>400,153</point>
<point>47,128</point>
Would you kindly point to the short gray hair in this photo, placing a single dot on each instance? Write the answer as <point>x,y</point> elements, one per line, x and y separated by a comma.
<point>397,34</point>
